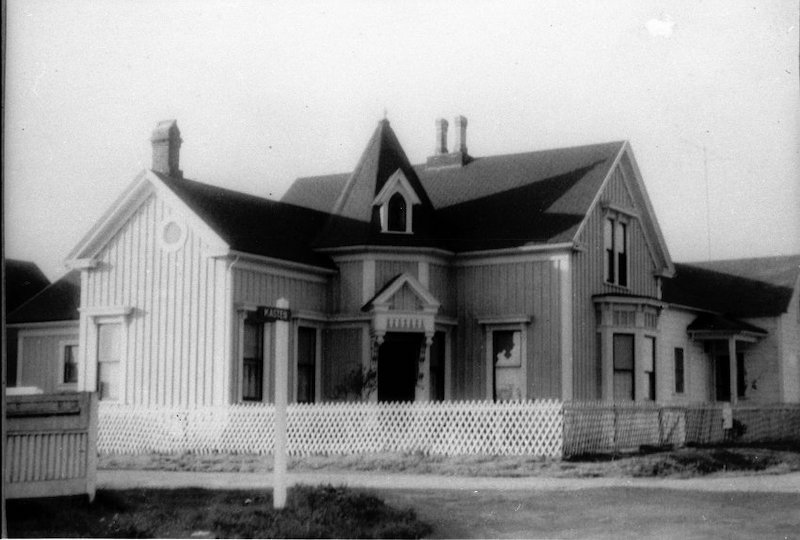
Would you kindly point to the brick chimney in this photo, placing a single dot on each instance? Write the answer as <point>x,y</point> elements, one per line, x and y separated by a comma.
<point>458,157</point>
<point>166,141</point>
<point>460,125</point>
<point>441,137</point>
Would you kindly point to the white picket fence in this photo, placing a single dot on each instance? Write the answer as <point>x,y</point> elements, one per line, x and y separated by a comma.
<point>532,428</point>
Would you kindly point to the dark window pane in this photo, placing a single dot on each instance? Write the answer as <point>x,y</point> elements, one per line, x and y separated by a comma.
<point>253,361</point>
<point>306,364</point>
<point>623,351</point>
<point>397,213</point>
<point>679,373</point>
<point>70,364</point>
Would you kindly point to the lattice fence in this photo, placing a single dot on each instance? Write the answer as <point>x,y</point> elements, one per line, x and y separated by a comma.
<point>598,428</point>
<point>449,428</point>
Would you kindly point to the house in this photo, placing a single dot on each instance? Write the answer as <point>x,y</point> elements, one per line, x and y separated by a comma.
<point>23,279</point>
<point>533,275</point>
<point>45,334</point>
<point>731,329</point>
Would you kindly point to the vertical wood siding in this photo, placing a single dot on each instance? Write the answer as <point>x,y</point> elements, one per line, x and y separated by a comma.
<point>265,289</point>
<point>348,287</point>
<point>588,280</point>
<point>41,360</point>
<point>173,350</point>
<point>341,354</point>
<point>526,288</point>
<point>443,287</point>
<point>386,270</point>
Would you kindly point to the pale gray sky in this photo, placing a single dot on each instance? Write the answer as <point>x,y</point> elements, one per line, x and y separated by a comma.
<point>265,92</point>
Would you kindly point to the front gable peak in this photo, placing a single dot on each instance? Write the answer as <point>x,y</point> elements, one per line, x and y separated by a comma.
<point>387,298</point>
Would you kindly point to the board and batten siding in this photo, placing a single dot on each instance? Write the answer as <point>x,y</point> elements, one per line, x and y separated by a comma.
<point>348,287</point>
<point>442,287</point>
<point>175,350</point>
<point>589,279</point>
<point>530,288</point>
<point>261,288</point>
<point>388,270</point>
<point>342,354</point>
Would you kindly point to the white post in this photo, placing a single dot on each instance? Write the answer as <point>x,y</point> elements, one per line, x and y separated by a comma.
<point>281,401</point>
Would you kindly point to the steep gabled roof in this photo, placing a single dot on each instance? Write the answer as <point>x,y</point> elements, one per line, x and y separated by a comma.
<point>488,203</point>
<point>700,286</point>
<point>23,280</point>
<point>57,302</point>
<point>353,217</point>
<point>253,224</point>
<point>781,270</point>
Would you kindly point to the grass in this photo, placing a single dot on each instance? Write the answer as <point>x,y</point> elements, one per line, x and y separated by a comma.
<point>311,512</point>
<point>684,462</point>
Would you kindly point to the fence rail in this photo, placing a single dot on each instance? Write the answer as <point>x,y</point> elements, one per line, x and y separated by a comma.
<point>547,428</point>
<point>450,428</point>
<point>51,445</point>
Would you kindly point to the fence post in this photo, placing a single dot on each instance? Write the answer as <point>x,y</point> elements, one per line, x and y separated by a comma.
<point>281,401</point>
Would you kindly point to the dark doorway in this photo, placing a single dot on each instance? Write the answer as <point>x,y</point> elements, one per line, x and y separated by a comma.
<point>722,377</point>
<point>398,359</point>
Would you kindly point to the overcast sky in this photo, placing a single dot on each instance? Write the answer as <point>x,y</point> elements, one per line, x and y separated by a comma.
<point>266,92</point>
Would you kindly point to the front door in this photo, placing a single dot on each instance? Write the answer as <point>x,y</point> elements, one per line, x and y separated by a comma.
<point>398,359</point>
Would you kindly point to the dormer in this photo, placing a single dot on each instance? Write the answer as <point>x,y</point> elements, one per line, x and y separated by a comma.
<point>395,204</point>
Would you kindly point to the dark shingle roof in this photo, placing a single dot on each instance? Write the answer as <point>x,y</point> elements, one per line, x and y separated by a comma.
<point>729,294</point>
<point>253,224</point>
<point>712,322</point>
<point>57,302</point>
<point>781,270</point>
<point>23,280</point>
<point>491,202</point>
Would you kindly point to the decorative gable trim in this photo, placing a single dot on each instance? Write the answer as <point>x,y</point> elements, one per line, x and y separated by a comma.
<point>145,185</point>
<point>382,300</point>
<point>397,182</point>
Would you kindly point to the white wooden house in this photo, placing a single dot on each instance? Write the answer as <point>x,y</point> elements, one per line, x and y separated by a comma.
<point>534,275</point>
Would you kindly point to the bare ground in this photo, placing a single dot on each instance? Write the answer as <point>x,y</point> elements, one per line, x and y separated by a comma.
<point>680,463</point>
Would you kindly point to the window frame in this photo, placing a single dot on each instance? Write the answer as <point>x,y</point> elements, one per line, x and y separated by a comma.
<point>98,316</point>
<point>120,363</point>
<point>632,370</point>
<point>616,259</point>
<point>317,398</point>
<point>680,390</point>
<point>61,384</point>
<point>490,329</point>
<point>248,317</point>
<point>409,213</point>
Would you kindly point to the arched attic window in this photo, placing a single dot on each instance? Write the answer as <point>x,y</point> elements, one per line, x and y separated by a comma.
<point>397,218</point>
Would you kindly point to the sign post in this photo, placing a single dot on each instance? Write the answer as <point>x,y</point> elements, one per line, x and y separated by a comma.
<point>281,402</point>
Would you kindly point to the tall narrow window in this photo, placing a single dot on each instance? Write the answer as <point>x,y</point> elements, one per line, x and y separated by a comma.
<point>741,375</point>
<point>679,370</point>
<point>69,372</point>
<point>615,243</point>
<point>397,217</point>
<point>623,367</point>
<point>608,235</point>
<point>507,358</point>
<point>437,367</point>
<point>306,364</point>
<point>621,247</point>
<point>253,361</point>
<point>109,358</point>
<point>649,368</point>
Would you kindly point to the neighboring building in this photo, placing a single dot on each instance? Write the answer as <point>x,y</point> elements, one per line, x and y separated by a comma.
<point>732,331</point>
<point>534,275</point>
<point>23,279</point>
<point>46,337</point>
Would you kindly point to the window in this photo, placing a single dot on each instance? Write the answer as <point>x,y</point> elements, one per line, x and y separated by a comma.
<point>741,375</point>
<point>109,359</point>
<point>253,361</point>
<point>615,239</point>
<point>649,361</point>
<point>437,367</point>
<point>679,370</point>
<point>69,363</point>
<point>507,359</point>
<point>306,364</point>
<point>623,367</point>
<point>397,219</point>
